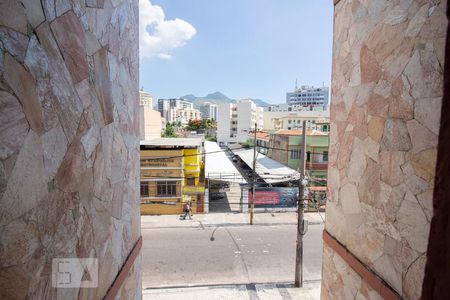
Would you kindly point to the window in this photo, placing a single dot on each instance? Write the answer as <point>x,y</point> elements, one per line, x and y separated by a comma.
<point>308,156</point>
<point>295,154</point>
<point>190,181</point>
<point>144,189</point>
<point>325,156</point>
<point>166,188</point>
<point>289,121</point>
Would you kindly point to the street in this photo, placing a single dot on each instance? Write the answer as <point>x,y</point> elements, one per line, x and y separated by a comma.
<point>202,254</point>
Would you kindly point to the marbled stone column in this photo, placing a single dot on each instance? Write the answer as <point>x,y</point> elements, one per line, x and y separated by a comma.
<point>69,143</point>
<point>387,87</point>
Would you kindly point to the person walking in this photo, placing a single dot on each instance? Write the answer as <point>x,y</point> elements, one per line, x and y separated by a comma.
<point>187,210</point>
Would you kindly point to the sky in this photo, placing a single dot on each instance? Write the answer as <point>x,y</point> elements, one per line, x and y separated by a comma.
<point>242,48</point>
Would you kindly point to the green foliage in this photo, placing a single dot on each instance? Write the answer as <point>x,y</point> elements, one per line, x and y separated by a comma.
<point>205,124</point>
<point>169,131</point>
<point>212,139</point>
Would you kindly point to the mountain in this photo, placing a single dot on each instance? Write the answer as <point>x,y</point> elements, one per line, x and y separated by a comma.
<point>217,97</point>
<point>189,97</point>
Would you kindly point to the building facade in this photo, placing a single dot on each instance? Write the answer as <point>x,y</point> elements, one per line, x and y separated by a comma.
<point>209,111</point>
<point>293,120</point>
<point>172,173</point>
<point>165,105</point>
<point>145,99</point>
<point>236,120</point>
<point>285,147</point>
<point>308,96</point>
<point>150,121</point>
<point>183,115</point>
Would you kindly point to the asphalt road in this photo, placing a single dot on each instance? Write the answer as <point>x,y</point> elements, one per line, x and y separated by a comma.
<point>234,254</point>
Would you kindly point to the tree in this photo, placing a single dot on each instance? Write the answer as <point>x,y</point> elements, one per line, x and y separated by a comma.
<point>169,131</point>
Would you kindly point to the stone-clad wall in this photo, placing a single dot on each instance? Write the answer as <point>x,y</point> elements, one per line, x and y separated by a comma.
<point>387,83</point>
<point>69,152</point>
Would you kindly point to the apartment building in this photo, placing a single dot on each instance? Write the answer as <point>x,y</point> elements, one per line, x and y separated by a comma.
<point>209,111</point>
<point>183,115</point>
<point>285,147</point>
<point>178,110</point>
<point>145,99</point>
<point>309,96</point>
<point>150,125</point>
<point>172,173</point>
<point>293,119</point>
<point>236,120</point>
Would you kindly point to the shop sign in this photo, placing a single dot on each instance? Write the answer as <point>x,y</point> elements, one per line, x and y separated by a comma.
<point>187,189</point>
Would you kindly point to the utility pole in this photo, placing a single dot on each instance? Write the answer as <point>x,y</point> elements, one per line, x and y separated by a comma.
<point>252,205</point>
<point>299,249</point>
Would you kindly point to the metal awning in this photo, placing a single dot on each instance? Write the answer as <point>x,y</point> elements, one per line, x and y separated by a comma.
<point>218,166</point>
<point>268,169</point>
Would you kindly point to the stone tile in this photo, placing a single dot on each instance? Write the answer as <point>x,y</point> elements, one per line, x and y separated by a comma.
<point>349,199</point>
<point>369,188</point>
<point>34,12</point>
<point>396,136</point>
<point>421,137</point>
<point>61,90</point>
<point>103,84</point>
<point>412,223</point>
<point>49,9</point>
<point>424,163</point>
<point>24,86</point>
<point>13,125</point>
<point>54,143</point>
<point>377,106</point>
<point>391,162</point>
<point>370,69</point>
<point>36,60</point>
<point>428,113</point>
<point>357,164</point>
<point>71,46</point>
<point>12,15</point>
<point>15,43</point>
<point>24,190</point>
<point>376,128</point>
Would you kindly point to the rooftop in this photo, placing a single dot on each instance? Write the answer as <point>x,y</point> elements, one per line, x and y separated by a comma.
<point>173,142</point>
<point>268,169</point>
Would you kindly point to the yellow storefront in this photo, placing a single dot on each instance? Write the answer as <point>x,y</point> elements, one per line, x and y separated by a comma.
<point>171,175</point>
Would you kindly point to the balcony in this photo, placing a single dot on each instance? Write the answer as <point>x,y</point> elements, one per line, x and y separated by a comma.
<point>316,166</point>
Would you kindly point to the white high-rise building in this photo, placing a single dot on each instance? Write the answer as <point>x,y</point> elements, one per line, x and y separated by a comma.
<point>293,120</point>
<point>209,111</point>
<point>308,96</point>
<point>174,110</point>
<point>145,98</point>
<point>236,121</point>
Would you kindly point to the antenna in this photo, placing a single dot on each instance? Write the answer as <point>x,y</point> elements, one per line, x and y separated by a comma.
<point>296,88</point>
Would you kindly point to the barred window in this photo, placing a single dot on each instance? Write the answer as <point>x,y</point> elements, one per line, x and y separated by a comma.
<point>295,154</point>
<point>144,189</point>
<point>166,188</point>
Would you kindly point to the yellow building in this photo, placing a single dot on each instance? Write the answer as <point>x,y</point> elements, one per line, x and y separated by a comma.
<point>172,173</point>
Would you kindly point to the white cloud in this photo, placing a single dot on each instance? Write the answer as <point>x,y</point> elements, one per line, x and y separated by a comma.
<point>157,36</point>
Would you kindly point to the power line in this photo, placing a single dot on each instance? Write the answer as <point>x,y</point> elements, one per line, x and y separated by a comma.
<point>218,151</point>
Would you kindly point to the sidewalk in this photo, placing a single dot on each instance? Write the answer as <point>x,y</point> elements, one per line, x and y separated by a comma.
<point>309,291</point>
<point>228,219</point>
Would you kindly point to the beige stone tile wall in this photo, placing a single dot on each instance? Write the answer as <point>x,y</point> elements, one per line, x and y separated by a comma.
<point>387,82</point>
<point>69,142</point>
